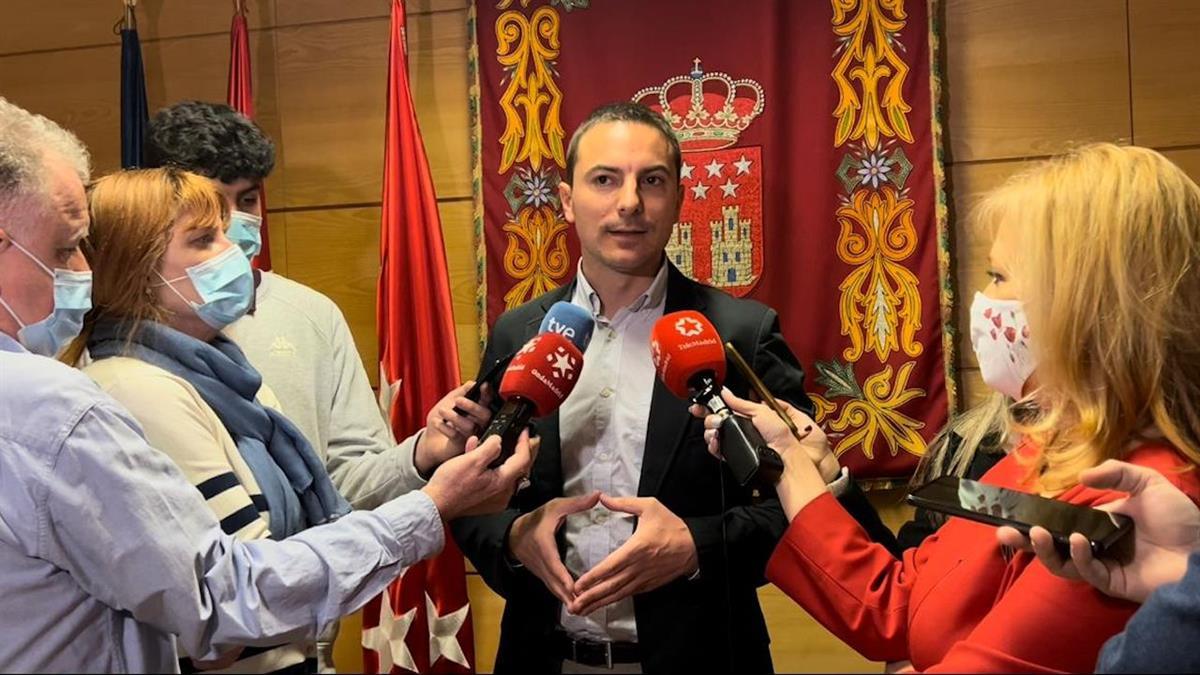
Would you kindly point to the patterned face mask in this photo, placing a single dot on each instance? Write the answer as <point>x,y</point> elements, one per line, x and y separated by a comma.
<point>1000,338</point>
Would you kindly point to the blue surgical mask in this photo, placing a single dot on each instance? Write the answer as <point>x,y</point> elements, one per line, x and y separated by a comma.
<point>224,282</point>
<point>245,230</point>
<point>72,300</point>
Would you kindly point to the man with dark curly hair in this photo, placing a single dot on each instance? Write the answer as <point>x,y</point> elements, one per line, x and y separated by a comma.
<point>296,337</point>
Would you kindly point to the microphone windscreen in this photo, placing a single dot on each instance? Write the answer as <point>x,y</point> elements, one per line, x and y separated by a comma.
<point>684,344</point>
<point>543,372</point>
<point>570,321</point>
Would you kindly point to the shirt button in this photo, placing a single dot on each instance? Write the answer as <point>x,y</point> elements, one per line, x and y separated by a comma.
<point>610,334</point>
<point>606,392</point>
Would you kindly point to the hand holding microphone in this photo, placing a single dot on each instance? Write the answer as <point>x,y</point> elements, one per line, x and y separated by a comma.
<point>541,374</point>
<point>690,361</point>
<point>796,431</point>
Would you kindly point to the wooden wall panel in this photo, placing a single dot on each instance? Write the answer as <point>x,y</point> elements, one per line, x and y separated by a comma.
<point>277,227</point>
<point>1029,77</point>
<point>437,45</point>
<point>332,89</point>
<point>332,93</point>
<point>974,390</point>
<point>62,24</point>
<point>1188,160</point>
<point>79,89</point>
<point>1165,83</point>
<point>336,251</point>
<point>292,12</point>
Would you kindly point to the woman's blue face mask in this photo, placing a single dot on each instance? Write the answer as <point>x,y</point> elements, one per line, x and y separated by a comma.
<point>225,284</point>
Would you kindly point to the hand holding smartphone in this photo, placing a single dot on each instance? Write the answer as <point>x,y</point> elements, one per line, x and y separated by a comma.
<point>1000,506</point>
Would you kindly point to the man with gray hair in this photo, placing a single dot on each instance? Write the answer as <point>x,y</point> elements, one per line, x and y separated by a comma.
<point>108,556</point>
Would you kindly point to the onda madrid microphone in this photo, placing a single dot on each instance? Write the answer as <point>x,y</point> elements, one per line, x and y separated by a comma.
<point>571,321</point>
<point>540,377</point>
<point>690,360</point>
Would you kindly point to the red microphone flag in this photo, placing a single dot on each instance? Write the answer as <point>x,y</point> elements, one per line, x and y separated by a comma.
<point>422,623</point>
<point>544,372</point>
<point>241,98</point>
<point>683,344</point>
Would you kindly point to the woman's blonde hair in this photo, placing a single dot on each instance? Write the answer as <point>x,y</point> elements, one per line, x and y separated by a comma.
<point>1108,242</point>
<point>985,428</point>
<point>132,216</point>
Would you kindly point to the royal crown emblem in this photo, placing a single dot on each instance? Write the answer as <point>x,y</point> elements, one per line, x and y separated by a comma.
<point>707,110</point>
<point>719,237</point>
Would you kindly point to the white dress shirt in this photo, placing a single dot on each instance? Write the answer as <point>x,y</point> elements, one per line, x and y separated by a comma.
<point>602,428</point>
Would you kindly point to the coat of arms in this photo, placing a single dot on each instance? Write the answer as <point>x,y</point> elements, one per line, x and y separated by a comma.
<point>719,237</point>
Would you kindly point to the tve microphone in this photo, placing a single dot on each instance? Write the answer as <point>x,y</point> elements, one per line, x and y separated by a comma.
<point>690,360</point>
<point>571,321</point>
<point>540,377</point>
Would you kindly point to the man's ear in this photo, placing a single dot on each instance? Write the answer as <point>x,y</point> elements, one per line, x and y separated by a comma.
<point>4,240</point>
<point>564,197</point>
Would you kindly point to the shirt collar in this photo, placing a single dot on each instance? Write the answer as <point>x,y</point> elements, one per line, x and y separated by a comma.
<point>653,298</point>
<point>7,344</point>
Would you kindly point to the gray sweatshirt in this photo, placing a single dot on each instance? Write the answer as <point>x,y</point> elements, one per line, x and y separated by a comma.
<point>299,341</point>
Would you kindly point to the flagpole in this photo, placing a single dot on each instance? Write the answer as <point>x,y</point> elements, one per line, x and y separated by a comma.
<point>129,21</point>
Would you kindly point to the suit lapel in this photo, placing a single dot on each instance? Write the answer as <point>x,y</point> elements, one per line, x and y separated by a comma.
<point>669,415</point>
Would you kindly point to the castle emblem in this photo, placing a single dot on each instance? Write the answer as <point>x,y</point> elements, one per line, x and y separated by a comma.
<point>719,237</point>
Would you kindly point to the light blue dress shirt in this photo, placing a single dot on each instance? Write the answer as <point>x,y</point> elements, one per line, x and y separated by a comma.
<point>108,555</point>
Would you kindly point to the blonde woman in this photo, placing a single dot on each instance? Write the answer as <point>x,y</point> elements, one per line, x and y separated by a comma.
<point>1099,252</point>
<point>166,282</point>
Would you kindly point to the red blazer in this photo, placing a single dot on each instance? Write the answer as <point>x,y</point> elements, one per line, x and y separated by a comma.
<point>959,602</point>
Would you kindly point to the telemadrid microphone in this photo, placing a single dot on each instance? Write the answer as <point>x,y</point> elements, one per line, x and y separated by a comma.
<point>690,360</point>
<point>571,321</point>
<point>540,377</point>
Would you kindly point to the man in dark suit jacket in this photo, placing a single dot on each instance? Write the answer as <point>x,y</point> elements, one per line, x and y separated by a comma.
<point>676,591</point>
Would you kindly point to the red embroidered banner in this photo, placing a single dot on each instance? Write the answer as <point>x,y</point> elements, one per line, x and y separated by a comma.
<point>810,169</point>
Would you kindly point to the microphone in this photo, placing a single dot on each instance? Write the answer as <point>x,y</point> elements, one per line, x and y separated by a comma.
<point>540,377</point>
<point>571,321</point>
<point>690,360</point>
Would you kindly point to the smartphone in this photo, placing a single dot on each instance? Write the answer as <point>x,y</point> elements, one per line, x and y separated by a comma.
<point>491,374</point>
<point>1000,506</point>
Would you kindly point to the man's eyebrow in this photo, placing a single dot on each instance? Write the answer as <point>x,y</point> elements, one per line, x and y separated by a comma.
<point>252,188</point>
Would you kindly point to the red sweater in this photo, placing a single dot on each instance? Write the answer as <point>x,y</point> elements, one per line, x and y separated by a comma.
<point>959,602</point>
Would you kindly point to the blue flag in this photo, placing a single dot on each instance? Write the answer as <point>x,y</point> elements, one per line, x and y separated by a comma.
<point>134,113</point>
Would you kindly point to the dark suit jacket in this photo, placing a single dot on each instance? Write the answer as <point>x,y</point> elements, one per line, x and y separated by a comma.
<point>713,622</point>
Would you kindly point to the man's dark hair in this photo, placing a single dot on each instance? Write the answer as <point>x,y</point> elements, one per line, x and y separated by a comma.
<point>210,139</point>
<point>624,111</point>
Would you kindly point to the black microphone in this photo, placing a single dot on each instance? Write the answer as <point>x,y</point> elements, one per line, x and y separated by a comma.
<point>539,379</point>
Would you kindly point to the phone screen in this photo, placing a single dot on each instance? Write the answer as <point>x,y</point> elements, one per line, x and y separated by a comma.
<point>1001,506</point>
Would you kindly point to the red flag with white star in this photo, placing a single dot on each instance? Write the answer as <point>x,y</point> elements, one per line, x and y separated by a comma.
<point>422,623</point>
